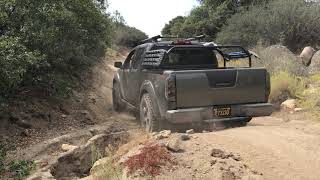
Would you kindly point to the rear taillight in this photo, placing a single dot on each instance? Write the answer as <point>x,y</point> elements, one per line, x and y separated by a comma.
<point>170,88</point>
<point>268,86</point>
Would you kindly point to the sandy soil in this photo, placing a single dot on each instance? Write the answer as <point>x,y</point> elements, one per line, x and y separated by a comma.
<point>268,148</point>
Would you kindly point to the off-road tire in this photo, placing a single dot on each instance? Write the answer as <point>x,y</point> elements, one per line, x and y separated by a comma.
<point>118,105</point>
<point>239,123</point>
<point>148,117</point>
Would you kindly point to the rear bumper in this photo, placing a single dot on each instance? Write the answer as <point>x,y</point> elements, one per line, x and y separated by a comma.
<point>199,115</point>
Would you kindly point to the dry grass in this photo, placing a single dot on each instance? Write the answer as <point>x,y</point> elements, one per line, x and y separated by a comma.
<point>311,95</point>
<point>106,169</point>
<point>305,89</point>
<point>285,85</point>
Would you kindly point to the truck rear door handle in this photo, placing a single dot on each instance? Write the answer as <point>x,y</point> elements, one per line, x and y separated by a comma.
<point>224,84</point>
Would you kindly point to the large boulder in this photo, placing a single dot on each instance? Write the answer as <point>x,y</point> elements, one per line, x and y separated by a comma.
<point>306,55</point>
<point>315,63</point>
<point>278,58</point>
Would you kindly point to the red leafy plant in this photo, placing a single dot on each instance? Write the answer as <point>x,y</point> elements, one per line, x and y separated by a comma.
<point>150,160</point>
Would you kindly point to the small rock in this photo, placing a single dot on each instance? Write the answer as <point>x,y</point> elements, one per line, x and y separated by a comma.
<point>204,131</point>
<point>218,153</point>
<point>237,157</point>
<point>84,112</point>
<point>23,123</point>
<point>63,116</point>
<point>154,133</point>
<point>68,147</point>
<point>25,133</point>
<point>289,104</point>
<point>166,133</point>
<point>174,145</point>
<point>213,162</point>
<point>190,131</point>
<point>184,137</point>
<point>163,134</point>
<point>298,109</point>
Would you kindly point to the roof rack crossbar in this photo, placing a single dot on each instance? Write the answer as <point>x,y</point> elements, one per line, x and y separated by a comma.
<point>156,38</point>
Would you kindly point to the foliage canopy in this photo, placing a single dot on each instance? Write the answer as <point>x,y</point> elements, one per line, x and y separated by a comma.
<point>48,43</point>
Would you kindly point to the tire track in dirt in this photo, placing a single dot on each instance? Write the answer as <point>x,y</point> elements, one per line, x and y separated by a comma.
<point>278,151</point>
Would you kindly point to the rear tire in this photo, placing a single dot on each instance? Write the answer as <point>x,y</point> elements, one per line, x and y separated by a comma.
<point>248,119</point>
<point>118,105</point>
<point>238,123</point>
<point>148,117</point>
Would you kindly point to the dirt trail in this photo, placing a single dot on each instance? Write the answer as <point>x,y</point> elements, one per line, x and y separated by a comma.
<point>279,152</point>
<point>268,147</point>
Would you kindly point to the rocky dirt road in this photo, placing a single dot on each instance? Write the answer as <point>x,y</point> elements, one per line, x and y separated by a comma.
<point>285,146</point>
<point>268,148</point>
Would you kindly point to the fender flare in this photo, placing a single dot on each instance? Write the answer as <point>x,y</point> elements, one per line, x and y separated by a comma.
<point>116,79</point>
<point>147,87</point>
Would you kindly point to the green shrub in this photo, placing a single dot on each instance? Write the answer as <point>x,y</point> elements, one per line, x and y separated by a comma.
<point>128,36</point>
<point>207,18</point>
<point>21,169</point>
<point>4,148</point>
<point>41,38</point>
<point>285,85</point>
<point>293,23</point>
<point>15,61</point>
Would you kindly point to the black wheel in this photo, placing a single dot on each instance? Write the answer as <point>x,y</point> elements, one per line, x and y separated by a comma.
<point>238,123</point>
<point>118,105</point>
<point>248,119</point>
<point>148,118</point>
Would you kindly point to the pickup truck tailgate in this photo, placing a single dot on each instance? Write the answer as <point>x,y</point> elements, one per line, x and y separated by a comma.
<point>200,88</point>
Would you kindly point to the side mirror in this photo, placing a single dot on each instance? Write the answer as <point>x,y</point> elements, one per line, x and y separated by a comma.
<point>118,64</point>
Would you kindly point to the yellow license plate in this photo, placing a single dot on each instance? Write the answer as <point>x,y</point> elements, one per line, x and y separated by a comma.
<point>222,111</point>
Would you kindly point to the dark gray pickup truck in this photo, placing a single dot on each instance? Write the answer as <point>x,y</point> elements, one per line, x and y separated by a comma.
<point>189,82</point>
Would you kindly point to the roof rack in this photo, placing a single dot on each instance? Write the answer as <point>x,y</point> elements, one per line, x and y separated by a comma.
<point>197,38</point>
<point>156,38</point>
